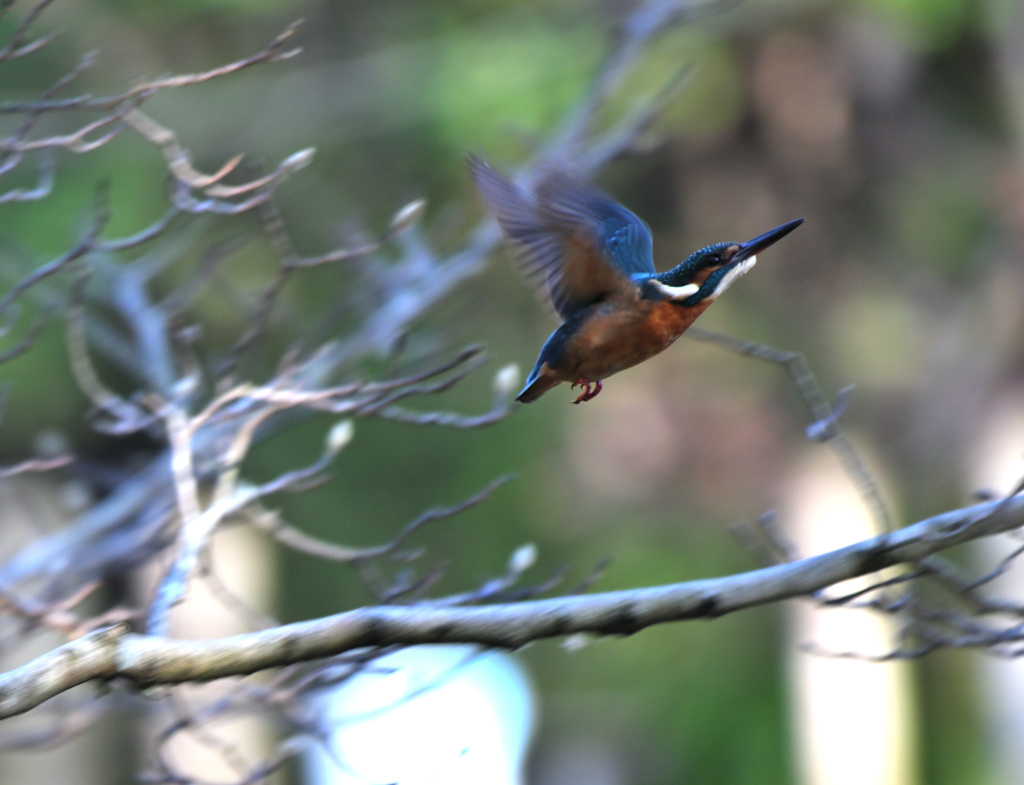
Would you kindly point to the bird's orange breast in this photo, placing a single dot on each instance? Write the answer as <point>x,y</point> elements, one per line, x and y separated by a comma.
<point>617,336</point>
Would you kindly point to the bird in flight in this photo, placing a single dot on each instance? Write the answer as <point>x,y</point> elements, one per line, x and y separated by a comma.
<point>593,260</point>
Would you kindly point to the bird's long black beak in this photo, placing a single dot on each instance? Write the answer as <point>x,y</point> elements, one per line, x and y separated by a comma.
<point>759,243</point>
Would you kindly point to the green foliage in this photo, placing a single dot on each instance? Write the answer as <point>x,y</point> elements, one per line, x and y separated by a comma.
<point>930,24</point>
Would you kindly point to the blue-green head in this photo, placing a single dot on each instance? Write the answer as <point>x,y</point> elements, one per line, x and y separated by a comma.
<point>714,268</point>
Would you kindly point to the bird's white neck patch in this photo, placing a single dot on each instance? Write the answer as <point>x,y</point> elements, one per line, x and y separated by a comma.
<point>732,275</point>
<point>676,292</point>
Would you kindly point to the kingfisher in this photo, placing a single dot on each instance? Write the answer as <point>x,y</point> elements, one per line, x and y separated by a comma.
<point>593,259</point>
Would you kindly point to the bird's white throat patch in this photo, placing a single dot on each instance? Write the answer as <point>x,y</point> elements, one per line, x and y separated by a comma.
<point>676,292</point>
<point>737,271</point>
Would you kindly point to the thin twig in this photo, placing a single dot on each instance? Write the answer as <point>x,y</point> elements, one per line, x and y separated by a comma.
<point>273,52</point>
<point>35,465</point>
<point>15,47</point>
<point>62,262</point>
<point>821,410</point>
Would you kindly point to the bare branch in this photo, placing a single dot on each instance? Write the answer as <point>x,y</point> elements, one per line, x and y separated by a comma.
<point>797,367</point>
<point>35,465</point>
<point>125,416</point>
<point>44,185</point>
<point>647,21</point>
<point>151,232</point>
<point>29,340</point>
<point>84,246</point>
<point>15,46</point>
<point>300,541</point>
<point>179,164</point>
<point>149,660</point>
<point>273,52</point>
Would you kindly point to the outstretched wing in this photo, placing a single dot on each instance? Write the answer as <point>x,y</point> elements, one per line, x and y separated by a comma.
<point>575,242</point>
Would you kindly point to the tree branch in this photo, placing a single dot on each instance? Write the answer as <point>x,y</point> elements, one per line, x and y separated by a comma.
<point>825,427</point>
<point>149,660</point>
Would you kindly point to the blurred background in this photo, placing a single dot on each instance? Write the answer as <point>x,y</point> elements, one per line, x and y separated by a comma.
<point>895,127</point>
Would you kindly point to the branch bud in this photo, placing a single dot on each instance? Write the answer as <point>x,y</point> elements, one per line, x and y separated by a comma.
<point>506,380</point>
<point>408,216</point>
<point>339,436</point>
<point>524,557</point>
<point>299,160</point>
<point>576,641</point>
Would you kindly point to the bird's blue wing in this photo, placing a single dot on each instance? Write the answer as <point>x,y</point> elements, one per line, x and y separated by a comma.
<point>626,237</point>
<point>579,245</point>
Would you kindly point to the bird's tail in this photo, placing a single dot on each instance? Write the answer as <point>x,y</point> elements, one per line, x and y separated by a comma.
<point>536,386</point>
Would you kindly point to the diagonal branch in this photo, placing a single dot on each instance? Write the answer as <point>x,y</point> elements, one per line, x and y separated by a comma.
<point>826,417</point>
<point>149,660</point>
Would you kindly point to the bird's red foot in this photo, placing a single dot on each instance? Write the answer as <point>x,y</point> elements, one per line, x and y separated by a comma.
<point>588,391</point>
